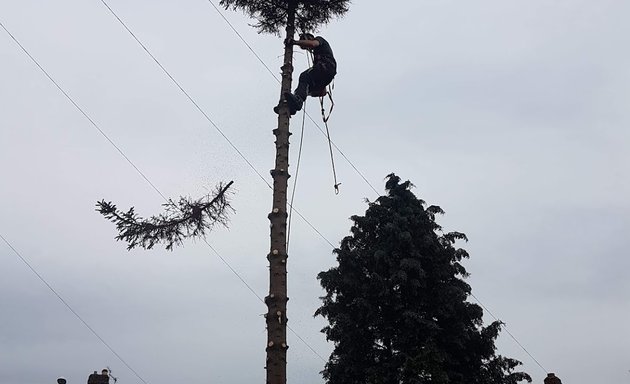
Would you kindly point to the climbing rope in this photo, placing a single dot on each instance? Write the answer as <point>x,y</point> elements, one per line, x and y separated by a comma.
<point>325,119</point>
<point>331,87</point>
<point>297,171</point>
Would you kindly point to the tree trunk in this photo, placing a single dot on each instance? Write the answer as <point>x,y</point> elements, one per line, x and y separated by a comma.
<point>276,317</point>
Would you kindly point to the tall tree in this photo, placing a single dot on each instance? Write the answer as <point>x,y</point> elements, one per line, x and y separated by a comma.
<point>271,16</point>
<point>397,303</point>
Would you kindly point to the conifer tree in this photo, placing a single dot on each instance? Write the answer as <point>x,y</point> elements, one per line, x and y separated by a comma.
<point>397,303</point>
<point>271,16</point>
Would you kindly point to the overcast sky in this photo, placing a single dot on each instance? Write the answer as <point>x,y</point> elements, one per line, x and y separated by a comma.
<point>511,115</point>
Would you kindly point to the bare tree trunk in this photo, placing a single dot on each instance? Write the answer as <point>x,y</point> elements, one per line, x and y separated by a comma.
<point>276,316</point>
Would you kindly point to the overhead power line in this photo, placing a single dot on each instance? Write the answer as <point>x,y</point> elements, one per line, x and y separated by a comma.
<point>261,299</point>
<point>67,305</point>
<point>244,41</point>
<point>509,333</point>
<point>167,73</point>
<point>81,110</point>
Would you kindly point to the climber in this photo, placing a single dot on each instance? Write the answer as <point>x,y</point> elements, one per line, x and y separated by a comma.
<point>314,80</point>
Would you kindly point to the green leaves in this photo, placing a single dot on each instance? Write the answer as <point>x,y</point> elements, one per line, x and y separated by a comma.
<point>397,303</point>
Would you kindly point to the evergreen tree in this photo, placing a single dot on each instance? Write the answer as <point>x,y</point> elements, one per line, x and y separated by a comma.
<point>397,303</point>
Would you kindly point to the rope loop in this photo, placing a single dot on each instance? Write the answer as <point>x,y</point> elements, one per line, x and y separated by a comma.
<point>325,119</point>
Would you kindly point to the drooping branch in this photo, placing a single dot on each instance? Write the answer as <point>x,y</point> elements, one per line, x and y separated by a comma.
<point>181,220</point>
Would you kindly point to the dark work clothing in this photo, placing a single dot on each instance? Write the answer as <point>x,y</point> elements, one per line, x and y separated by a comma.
<point>324,53</point>
<point>95,378</point>
<point>315,79</point>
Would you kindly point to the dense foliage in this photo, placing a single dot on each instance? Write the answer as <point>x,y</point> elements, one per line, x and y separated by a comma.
<point>397,303</point>
<point>182,219</point>
<point>271,15</point>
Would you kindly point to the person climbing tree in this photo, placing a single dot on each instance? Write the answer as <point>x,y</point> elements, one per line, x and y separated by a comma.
<point>314,80</point>
<point>272,17</point>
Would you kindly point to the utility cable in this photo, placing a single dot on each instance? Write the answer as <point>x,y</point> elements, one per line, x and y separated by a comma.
<point>207,117</point>
<point>234,271</point>
<point>307,344</point>
<point>244,41</point>
<point>64,302</point>
<point>81,110</point>
<point>508,332</point>
<point>261,299</point>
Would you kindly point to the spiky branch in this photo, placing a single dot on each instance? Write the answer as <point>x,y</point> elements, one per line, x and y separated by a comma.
<point>272,15</point>
<point>181,220</point>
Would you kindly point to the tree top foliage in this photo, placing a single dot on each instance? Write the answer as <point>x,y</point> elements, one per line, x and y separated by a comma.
<point>272,15</point>
<point>397,303</point>
<point>182,219</point>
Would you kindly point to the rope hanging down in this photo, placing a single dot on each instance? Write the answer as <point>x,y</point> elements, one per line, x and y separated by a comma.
<point>297,172</point>
<point>325,118</point>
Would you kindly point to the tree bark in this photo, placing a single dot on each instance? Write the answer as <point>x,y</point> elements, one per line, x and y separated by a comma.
<point>276,317</point>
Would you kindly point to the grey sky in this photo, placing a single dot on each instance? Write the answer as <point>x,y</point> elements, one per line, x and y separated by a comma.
<point>510,115</point>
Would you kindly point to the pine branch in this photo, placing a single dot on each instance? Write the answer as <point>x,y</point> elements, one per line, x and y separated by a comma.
<point>271,15</point>
<point>181,220</point>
